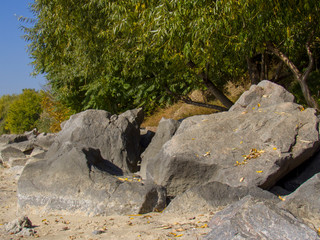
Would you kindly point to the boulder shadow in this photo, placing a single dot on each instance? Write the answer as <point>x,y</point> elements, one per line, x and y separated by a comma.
<point>95,159</point>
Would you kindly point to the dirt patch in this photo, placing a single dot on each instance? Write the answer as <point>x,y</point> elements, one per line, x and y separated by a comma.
<point>146,226</point>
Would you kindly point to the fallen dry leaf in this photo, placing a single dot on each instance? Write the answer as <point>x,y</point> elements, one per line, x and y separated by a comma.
<point>207,154</point>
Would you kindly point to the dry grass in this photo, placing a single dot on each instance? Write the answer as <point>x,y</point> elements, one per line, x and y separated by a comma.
<point>182,110</point>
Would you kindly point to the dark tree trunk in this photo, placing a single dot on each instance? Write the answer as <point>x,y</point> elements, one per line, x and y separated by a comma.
<point>212,87</point>
<point>253,70</point>
<point>300,77</point>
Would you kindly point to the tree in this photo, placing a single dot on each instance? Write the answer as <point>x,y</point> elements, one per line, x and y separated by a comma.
<point>287,29</point>
<point>5,102</point>
<point>116,55</point>
<point>23,112</point>
<point>53,113</point>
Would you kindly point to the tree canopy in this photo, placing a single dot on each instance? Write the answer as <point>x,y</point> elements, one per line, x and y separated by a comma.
<point>23,112</point>
<point>116,55</point>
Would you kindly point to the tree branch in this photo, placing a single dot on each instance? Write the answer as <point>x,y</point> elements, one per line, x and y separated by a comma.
<point>311,59</point>
<point>297,74</point>
<point>199,104</point>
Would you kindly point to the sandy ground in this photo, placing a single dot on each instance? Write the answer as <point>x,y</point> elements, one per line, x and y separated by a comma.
<point>143,227</point>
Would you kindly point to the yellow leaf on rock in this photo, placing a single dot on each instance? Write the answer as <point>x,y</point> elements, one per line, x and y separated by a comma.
<point>281,198</point>
<point>207,154</point>
<point>259,105</point>
<point>274,148</point>
<point>259,171</point>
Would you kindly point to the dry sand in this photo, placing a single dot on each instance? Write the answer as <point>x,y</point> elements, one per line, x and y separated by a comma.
<point>143,227</point>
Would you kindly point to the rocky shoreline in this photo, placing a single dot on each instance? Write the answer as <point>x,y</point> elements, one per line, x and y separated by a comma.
<point>252,172</point>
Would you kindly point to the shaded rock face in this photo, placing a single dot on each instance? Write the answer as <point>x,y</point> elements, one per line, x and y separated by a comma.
<point>213,196</point>
<point>266,94</point>
<point>252,219</point>
<point>298,176</point>
<point>165,131</point>
<point>83,170</point>
<point>117,137</point>
<point>238,148</point>
<point>305,202</point>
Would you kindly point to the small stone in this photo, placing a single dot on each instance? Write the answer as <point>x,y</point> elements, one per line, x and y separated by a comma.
<point>97,232</point>
<point>18,225</point>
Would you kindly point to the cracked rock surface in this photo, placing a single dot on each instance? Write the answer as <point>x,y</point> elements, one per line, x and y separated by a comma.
<point>238,148</point>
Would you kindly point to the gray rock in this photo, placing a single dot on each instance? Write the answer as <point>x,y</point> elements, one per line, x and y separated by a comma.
<point>97,232</point>
<point>305,202</point>
<point>18,225</point>
<point>11,152</point>
<point>253,219</point>
<point>79,181</point>
<point>256,148</point>
<point>117,137</point>
<point>165,131</point>
<point>264,94</point>
<point>213,196</point>
<point>145,138</point>
<point>26,147</point>
<point>44,140</point>
<point>13,162</point>
<point>26,232</point>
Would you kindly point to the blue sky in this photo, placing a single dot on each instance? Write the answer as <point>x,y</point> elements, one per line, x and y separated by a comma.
<point>15,68</point>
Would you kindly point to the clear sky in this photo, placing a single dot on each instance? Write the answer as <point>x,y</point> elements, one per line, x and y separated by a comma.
<point>15,68</point>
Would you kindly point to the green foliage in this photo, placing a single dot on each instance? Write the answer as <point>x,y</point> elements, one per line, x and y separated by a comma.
<point>53,114</point>
<point>116,55</point>
<point>5,102</point>
<point>23,112</point>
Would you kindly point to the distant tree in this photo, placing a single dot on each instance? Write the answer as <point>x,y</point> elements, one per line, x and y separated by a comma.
<point>5,102</point>
<point>53,113</point>
<point>24,112</point>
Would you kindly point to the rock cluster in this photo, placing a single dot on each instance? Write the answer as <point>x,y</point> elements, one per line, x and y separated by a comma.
<point>259,161</point>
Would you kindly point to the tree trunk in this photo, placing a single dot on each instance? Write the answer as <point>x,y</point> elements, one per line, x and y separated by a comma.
<point>300,77</point>
<point>217,93</point>
<point>211,87</point>
<point>253,70</point>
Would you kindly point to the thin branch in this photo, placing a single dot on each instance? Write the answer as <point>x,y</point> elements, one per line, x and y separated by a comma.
<point>311,59</point>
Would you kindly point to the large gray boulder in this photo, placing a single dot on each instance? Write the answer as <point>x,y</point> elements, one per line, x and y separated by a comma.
<point>253,219</point>
<point>305,202</point>
<point>255,148</point>
<point>213,196</point>
<point>79,180</point>
<point>117,137</point>
<point>264,94</point>
<point>165,131</point>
